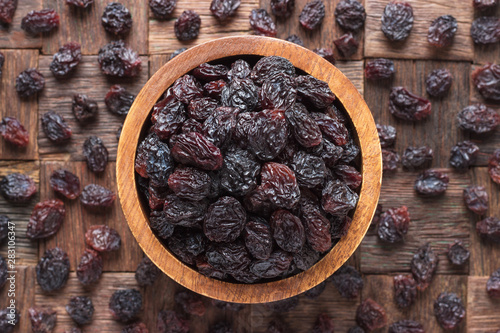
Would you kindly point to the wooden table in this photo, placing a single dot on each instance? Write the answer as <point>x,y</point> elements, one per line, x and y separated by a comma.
<point>439,221</point>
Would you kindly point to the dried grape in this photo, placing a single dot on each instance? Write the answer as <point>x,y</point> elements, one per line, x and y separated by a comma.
<point>463,155</point>
<point>262,23</point>
<point>408,106</point>
<point>489,229</point>
<point>146,272</point>
<point>118,100</point>
<point>125,304</point>
<point>486,79</point>
<point>80,309</point>
<point>17,188</point>
<point>442,31</point>
<point>282,8</point>
<point>239,174</point>
<point>14,132</point>
<point>484,4</point>
<point>80,3</point>
<point>52,270</point>
<point>397,20</point>
<point>458,254</point>
<point>312,14</point>
<point>348,282</point>
<point>287,230</point>
<point>8,320</point>
<point>55,127</point>
<point>325,53</point>
<point>405,290</point>
<point>347,45</point>
<point>379,69</point>
<point>314,91</point>
<point>84,108</point>
<point>493,284</point>
<point>195,150</point>
<point>494,166</point>
<point>423,266</point>
<point>393,225</point>
<point>116,60</point>
<point>338,198</point>
<point>370,315</point>
<point>485,30</point>
<point>431,182</point>
<point>415,158</point>
<point>189,183</point>
<point>387,135</point>
<point>7,10</point>
<point>95,196</point>
<point>222,9</point>
<point>406,326</point>
<point>350,15</point>
<point>278,263</point>
<point>36,22</point>
<point>187,26</point>
<point>390,159</point>
<point>102,238</point>
<point>29,82</point>
<point>476,199</point>
<point>116,19</point>
<point>478,119</point>
<point>65,183</point>
<point>46,219</point>
<point>162,9</point>
<point>66,59</point>
<point>449,310</point>
<point>89,268</point>
<point>225,220</point>
<point>43,319</point>
<point>96,154</point>
<point>438,82</point>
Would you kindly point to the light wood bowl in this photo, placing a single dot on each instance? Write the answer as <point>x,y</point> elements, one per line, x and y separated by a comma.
<point>137,216</point>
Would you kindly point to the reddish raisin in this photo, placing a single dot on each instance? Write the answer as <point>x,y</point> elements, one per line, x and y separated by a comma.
<point>387,135</point>
<point>486,79</point>
<point>65,183</point>
<point>463,155</point>
<point>46,219</point>
<point>55,127</point>
<point>338,198</point>
<point>332,128</point>
<point>194,149</point>
<point>406,326</point>
<point>187,88</point>
<point>314,91</point>
<point>95,196</point>
<point>348,282</point>
<point>17,188</point>
<point>102,238</point>
<point>84,108</point>
<point>169,321</point>
<point>52,270</point>
<point>405,290</point>
<point>489,229</point>
<point>390,159</point>
<point>125,304</point>
<point>146,272</point>
<point>66,59</point>
<point>449,310</point>
<point>80,309</point>
<point>43,319</point>
<point>478,119</point>
<point>282,8</point>
<point>370,315</point>
<point>89,269</point>
<point>423,266</point>
<point>222,9</point>
<point>29,82</point>
<point>312,14</point>
<point>116,19</point>
<point>438,82</point>
<point>162,9</point>
<point>305,130</point>
<point>484,4</point>
<point>36,22</point>
<point>316,225</point>
<point>323,324</point>
<point>393,225</point>
<point>408,106</point>
<point>190,302</point>
<point>379,69</point>
<point>417,157</point>
<point>324,53</point>
<point>119,61</point>
<point>280,185</point>
<point>95,153</point>
<point>187,26</point>
<point>80,3</point>
<point>350,15</point>
<point>7,10</point>
<point>494,166</point>
<point>207,72</point>
<point>225,220</point>
<point>476,199</point>
<point>442,31</point>
<point>346,44</point>
<point>397,20</point>
<point>458,254</point>
<point>339,226</point>
<point>493,284</point>
<point>118,100</point>
<point>485,30</point>
<point>213,89</point>
<point>262,23</point>
<point>14,132</point>
<point>189,183</point>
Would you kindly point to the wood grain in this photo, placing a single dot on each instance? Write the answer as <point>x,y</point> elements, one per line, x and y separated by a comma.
<point>380,289</point>
<point>482,310</point>
<point>12,36</point>
<point>416,45</point>
<point>78,219</point>
<point>412,74</point>
<point>161,33</point>
<point>84,26</point>
<point>26,250</point>
<point>438,220</point>
<point>58,95</point>
<point>11,105</point>
<point>324,36</point>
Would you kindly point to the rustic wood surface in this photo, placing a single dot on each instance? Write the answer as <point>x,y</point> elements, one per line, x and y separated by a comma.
<point>439,221</point>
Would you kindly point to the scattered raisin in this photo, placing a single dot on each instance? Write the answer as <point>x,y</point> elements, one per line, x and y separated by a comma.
<point>393,225</point>
<point>125,304</point>
<point>442,31</point>
<point>118,61</point>
<point>431,182</point>
<point>405,290</point>
<point>7,10</point>
<point>46,219</point>
<point>423,266</point>
<point>457,253</point>
<point>408,106</point>
<point>116,19</point>
<point>348,282</point>
<point>463,155</point>
<point>29,82</point>
<point>80,309</point>
<point>262,23</point>
<point>476,199</point>
<point>312,14</point>
<point>83,108</point>
<point>17,188</point>
<point>489,229</point>
<point>494,166</point>
<point>169,321</point>
<point>346,44</point>
<point>438,82</point>
<point>89,269</point>
<point>397,20</point>
<point>222,9</point>
<point>65,61</point>
<point>118,100</point>
<point>493,284</point>
<point>146,272</point>
<point>43,319</point>
<point>387,135</point>
<point>486,79</point>
<point>350,15</point>
<point>449,310</point>
<point>390,159</point>
<point>478,119</point>
<point>326,54</point>
<point>102,238</point>
<point>415,158</point>
<point>406,326</point>
<point>370,315</point>
<point>162,9</point>
<point>95,196</point>
<point>187,26</point>
<point>190,302</point>
<point>323,324</point>
<point>14,132</point>
<point>95,153</point>
<point>55,127</point>
<point>36,22</point>
<point>485,30</point>
<point>379,69</point>
<point>65,183</point>
<point>52,270</point>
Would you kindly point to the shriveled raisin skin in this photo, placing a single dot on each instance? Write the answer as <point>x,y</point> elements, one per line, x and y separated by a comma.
<point>279,185</point>
<point>225,220</point>
<point>312,14</point>
<point>102,238</point>
<point>476,199</point>
<point>405,290</point>
<point>14,132</point>
<point>223,9</point>
<point>325,53</point>
<point>494,166</point>
<point>478,119</point>
<point>17,188</point>
<point>379,69</point>
<point>493,284</point>
<point>258,239</point>
<point>489,229</point>
<point>423,266</point>
<point>80,309</point>
<point>305,130</point>
<point>240,93</point>
<point>190,183</point>
<point>29,82</point>
<point>125,304</point>
<point>36,22</point>
<point>408,106</point>
<point>316,225</point>
<point>415,158</point>
<point>442,31</point>
<point>331,128</point>
<point>146,272</point>
<point>338,198</point>
<point>66,59</point>
<point>397,20</point>
<point>393,225</point>
<point>262,23</point>
<point>190,302</point>
<point>201,108</point>
<point>207,72</point>
<point>162,9</point>
<point>278,92</point>
<point>438,82</point>
<point>370,315</point>
<point>457,253</point>
<point>486,79</point>
<point>348,282</point>
<point>116,19</point>
<point>7,10</point>
<point>96,154</point>
<point>239,174</point>
<point>65,183</point>
<point>89,269</point>
<point>485,30</point>
<point>350,15</point>
<point>170,321</point>
<point>288,231</point>
<point>84,108</point>
<point>449,310</point>
<point>46,219</point>
<point>187,244</point>
<point>116,60</point>
<point>463,155</point>
<point>186,88</point>
<point>282,8</point>
<point>431,182</point>
<point>390,160</point>
<point>406,326</point>
<point>195,150</point>
<point>230,258</point>
<point>55,127</point>
<point>184,212</point>
<point>278,263</point>
<point>146,147</point>
<point>118,100</point>
<point>52,270</point>
<point>314,91</point>
<point>387,135</point>
<point>347,45</point>
<point>95,196</point>
<point>187,26</point>
<point>43,319</point>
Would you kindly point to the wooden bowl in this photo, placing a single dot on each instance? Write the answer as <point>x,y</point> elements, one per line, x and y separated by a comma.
<point>137,216</point>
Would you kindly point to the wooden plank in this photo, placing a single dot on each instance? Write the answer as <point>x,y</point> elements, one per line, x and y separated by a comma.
<point>324,36</point>
<point>354,72</point>
<point>485,258</point>
<point>482,310</point>
<point>490,52</point>
<point>24,109</point>
<point>438,220</point>
<point>161,33</point>
<point>24,289</point>
<point>78,219</point>
<point>58,95</point>
<point>380,289</point>
<point>416,45</point>
<point>156,61</point>
<point>412,74</point>
<point>26,250</point>
<point>303,317</point>
<point>12,36</point>
<point>84,26</point>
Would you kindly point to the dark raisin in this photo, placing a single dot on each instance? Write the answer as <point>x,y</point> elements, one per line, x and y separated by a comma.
<point>116,19</point>
<point>350,15</point>
<point>438,82</point>
<point>80,3</point>
<point>494,166</point>
<point>283,306</point>
<point>214,89</point>
<point>95,196</point>
<point>493,284</point>
<point>423,266</point>
<point>146,147</point>
<point>228,257</point>
<point>245,276</point>
<point>240,93</point>
<point>220,125</point>
<point>157,196</point>
<point>370,315</point>
<point>14,132</point>
<point>17,188</point>
<point>29,82</point>
<point>80,309</point>
<point>270,66</point>
<point>279,185</point>
<point>8,319</point>
<point>187,26</point>
<point>52,270</point>
<point>431,182</point>
<point>169,321</point>
<point>282,8</point>
<point>190,302</point>
<point>89,268</point>
<point>486,79</point>
<point>463,155</point>
<point>125,304</point>
<point>397,20</point>
<point>387,135</point>
<point>287,230</point>
<point>84,108</point>
<point>225,220</point>
<point>240,69</point>
<point>118,100</point>
<point>167,118</point>
<point>162,9</point>
<point>379,69</point>
<point>348,282</point>
<point>187,88</point>
<point>55,127</point>
<point>138,327</point>
<point>65,183</point>
<point>408,106</point>
<point>405,290</point>
<point>316,225</point>
<point>278,92</point>
<point>323,324</point>
<point>262,23</point>
<point>195,150</point>
<point>222,9</point>
<point>485,30</point>
<point>46,219</point>
<point>304,128</point>
<point>102,238</point>
<point>278,262</point>
<point>294,38</point>
<point>338,198</point>
<point>187,244</point>
<point>178,51</point>
<point>484,4</point>
<point>393,225</point>
<point>36,22</point>
<point>7,10</point>
<point>66,59</point>
<point>312,14</point>
<point>315,292</point>
<point>339,226</point>
<point>332,128</point>
<point>119,61</point>
<point>476,199</point>
<point>417,157</point>
<point>161,225</point>
<point>314,91</point>
<point>489,229</point>
<point>201,108</point>
<point>192,125</point>
<point>5,223</point>
<point>390,159</point>
<point>258,239</point>
<point>442,31</point>
<point>306,258</point>
<point>184,212</point>
<point>457,253</point>
<point>96,154</point>
<point>239,174</point>
<point>449,310</point>
<point>309,169</point>
<point>346,44</point>
<point>43,319</point>
<point>189,183</point>
<point>326,54</point>
<point>207,72</point>
<point>146,272</point>
<point>406,326</point>
<point>478,119</point>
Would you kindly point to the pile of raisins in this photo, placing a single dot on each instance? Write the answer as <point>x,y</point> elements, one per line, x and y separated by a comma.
<point>250,182</point>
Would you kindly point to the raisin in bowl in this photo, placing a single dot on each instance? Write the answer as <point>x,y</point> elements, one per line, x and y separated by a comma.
<point>249,169</point>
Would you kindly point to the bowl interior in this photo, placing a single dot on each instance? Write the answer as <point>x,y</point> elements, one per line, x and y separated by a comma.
<point>250,48</point>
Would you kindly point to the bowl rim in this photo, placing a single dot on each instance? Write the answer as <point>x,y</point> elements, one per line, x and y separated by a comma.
<point>312,64</point>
